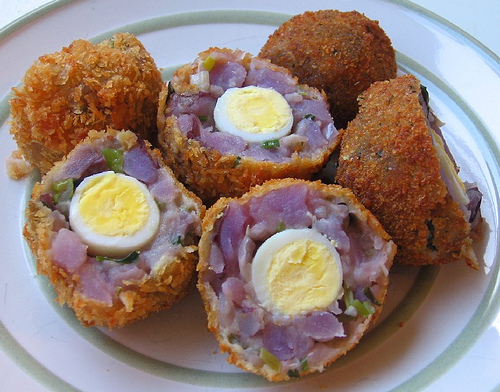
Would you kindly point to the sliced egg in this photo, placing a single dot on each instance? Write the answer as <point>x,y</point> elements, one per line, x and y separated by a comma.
<point>255,113</point>
<point>297,271</point>
<point>114,214</point>
<point>456,187</point>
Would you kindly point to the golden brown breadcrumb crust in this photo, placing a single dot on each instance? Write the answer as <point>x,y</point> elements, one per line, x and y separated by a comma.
<point>208,173</point>
<point>84,86</point>
<point>157,291</point>
<point>388,159</point>
<point>341,53</point>
<point>211,302</point>
<point>16,166</point>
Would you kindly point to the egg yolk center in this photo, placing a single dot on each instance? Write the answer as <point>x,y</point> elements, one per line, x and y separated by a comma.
<point>113,206</point>
<point>258,110</point>
<point>303,276</point>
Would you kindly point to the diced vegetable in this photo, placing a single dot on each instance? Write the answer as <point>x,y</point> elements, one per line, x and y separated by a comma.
<point>281,226</point>
<point>295,373</point>
<point>268,144</point>
<point>209,63</point>
<point>355,307</point>
<point>270,360</point>
<point>129,259</point>
<point>237,161</point>
<point>114,159</point>
<point>63,190</point>
<point>178,241</point>
<point>368,292</point>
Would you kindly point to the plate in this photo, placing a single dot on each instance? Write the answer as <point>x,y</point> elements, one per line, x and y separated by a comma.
<point>440,328</point>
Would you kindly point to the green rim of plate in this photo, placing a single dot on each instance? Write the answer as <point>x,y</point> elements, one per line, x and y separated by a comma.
<point>479,321</point>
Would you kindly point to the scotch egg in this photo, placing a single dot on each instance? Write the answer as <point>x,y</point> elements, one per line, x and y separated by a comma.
<point>431,220</point>
<point>285,303</point>
<point>229,121</point>
<point>297,271</point>
<point>97,237</point>
<point>113,214</point>
<point>254,113</point>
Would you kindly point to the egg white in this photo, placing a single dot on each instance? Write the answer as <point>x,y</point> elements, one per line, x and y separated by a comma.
<point>119,245</point>
<point>262,262</point>
<point>233,118</point>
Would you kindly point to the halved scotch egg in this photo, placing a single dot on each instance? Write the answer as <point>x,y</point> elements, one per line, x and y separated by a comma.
<point>291,275</point>
<point>230,120</point>
<point>114,231</point>
<point>395,159</point>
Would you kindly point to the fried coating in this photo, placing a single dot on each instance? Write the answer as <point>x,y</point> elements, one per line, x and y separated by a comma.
<point>84,86</point>
<point>389,161</point>
<point>342,53</point>
<point>16,166</point>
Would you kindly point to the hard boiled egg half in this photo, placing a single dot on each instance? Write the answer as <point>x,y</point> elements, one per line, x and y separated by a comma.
<point>297,271</point>
<point>255,113</point>
<point>114,214</point>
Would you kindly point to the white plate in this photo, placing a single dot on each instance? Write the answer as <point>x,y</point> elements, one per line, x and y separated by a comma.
<point>440,330</point>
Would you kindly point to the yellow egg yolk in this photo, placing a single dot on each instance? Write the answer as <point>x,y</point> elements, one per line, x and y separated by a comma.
<point>258,111</point>
<point>297,271</point>
<point>254,113</point>
<point>113,214</point>
<point>302,277</point>
<point>113,206</point>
